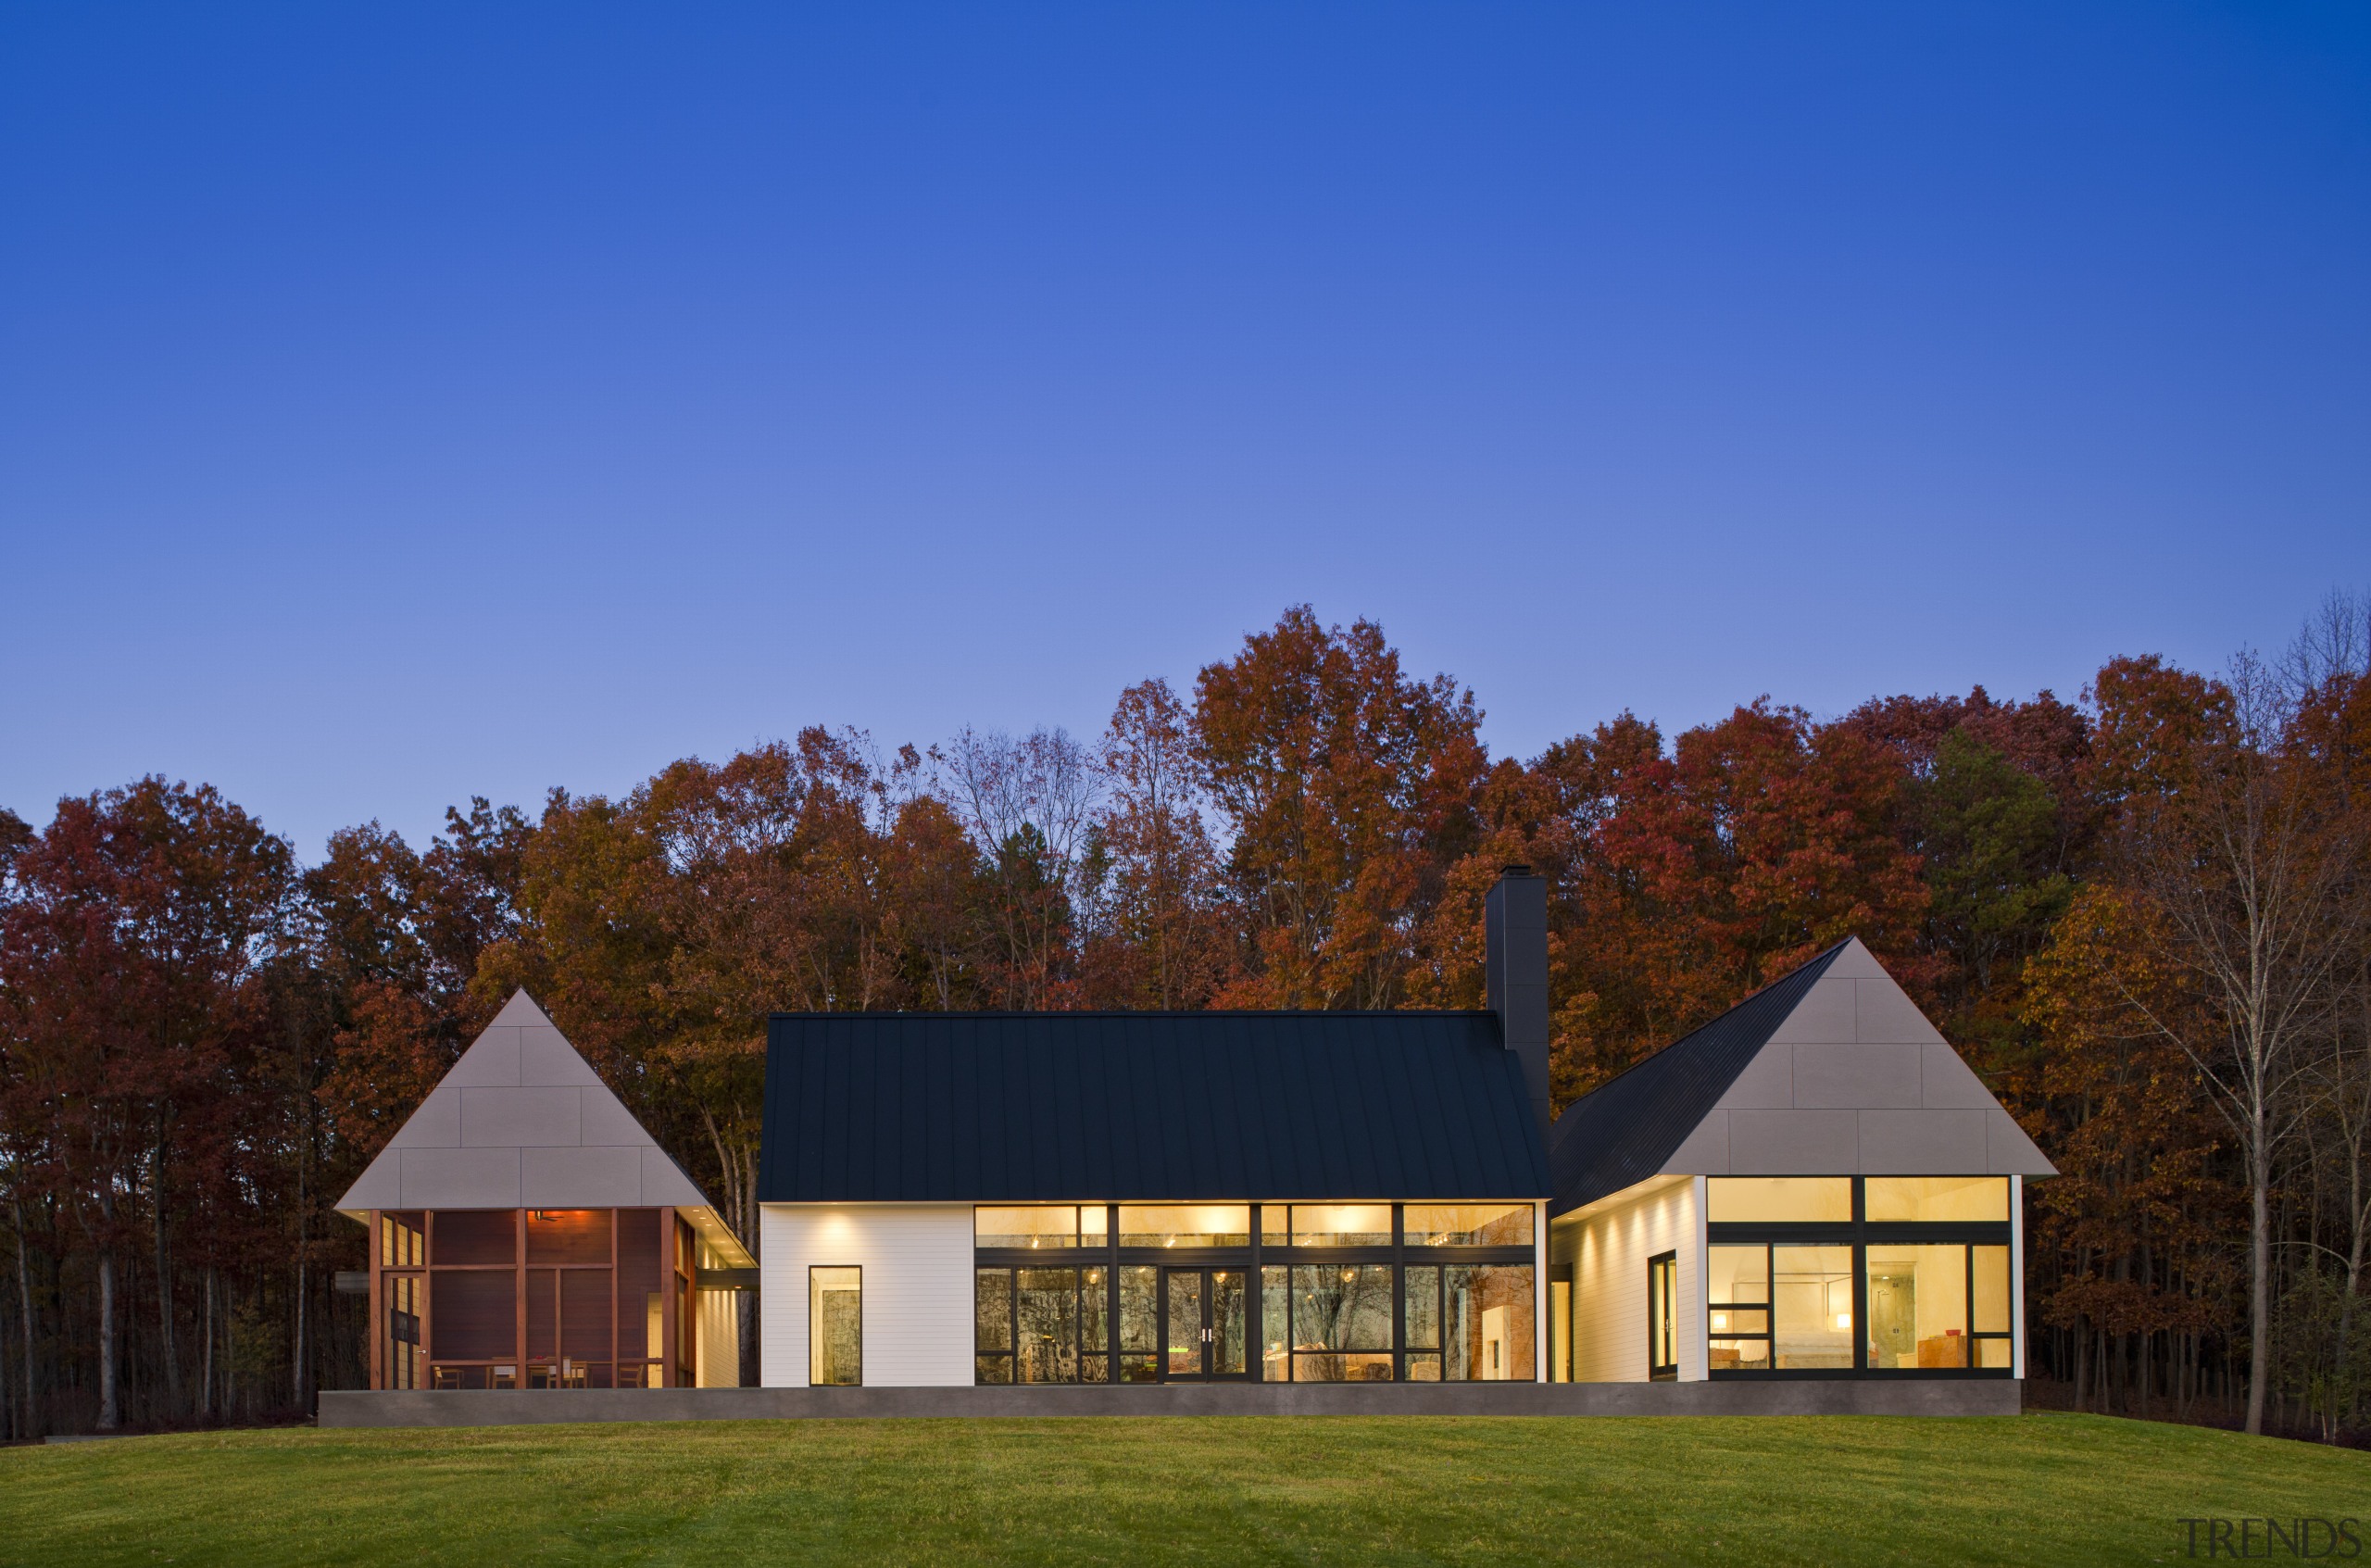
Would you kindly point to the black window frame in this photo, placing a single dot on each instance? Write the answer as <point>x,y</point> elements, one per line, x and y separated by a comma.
<point>1663,1290</point>
<point>1860,1234</point>
<point>836,1268</point>
<point>1253,1260</point>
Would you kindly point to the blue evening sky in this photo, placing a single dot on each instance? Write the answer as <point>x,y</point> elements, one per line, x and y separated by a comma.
<point>404,402</point>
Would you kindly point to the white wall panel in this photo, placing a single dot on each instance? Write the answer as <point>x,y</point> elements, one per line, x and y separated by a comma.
<point>1609,1248</point>
<point>719,1338</point>
<point>917,1263</point>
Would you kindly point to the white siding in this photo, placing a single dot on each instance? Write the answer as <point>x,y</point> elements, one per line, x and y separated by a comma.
<point>720,1341</point>
<point>1609,1248</point>
<point>917,1263</point>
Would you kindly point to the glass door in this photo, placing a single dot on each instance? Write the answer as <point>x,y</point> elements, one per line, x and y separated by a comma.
<point>1228,1297</point>
<point>1184,1332</point>
<point>1206,1323</point>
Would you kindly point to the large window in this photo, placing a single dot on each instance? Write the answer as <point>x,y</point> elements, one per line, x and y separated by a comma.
<point>1787,1200</point>
<point>1330,1292</point>
<point>1936,1307</point>
<point>1882,1274</point>
<point>1341,1322</point>
<point>1469,1224</point>
<point>1185,1225</point>
<point>1937,1199</point>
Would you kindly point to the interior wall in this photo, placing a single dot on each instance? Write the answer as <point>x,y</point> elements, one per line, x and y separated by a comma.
<point>917,1263</point>
<point>1609,1248</point>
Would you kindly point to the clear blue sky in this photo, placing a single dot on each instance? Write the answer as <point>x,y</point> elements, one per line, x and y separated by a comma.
<point>399,403</point>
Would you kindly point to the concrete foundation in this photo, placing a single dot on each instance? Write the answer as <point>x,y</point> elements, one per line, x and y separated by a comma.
<point>525,1407</point>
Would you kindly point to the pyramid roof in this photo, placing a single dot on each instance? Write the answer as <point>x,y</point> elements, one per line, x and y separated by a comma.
<point>523,1121</point>
<point>1831,1070</point>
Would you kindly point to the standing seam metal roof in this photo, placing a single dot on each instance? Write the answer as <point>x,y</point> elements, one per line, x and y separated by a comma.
<point>1145,1107</point>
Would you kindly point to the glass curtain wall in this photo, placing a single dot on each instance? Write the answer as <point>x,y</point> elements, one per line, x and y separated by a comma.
<point>1873,1275</point>
<point>1337,1292</point>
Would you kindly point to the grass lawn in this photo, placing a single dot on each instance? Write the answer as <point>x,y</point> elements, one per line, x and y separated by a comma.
<point>2034,1489</point>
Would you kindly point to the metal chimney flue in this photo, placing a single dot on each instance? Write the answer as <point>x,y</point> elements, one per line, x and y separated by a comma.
<point>1515,978</point>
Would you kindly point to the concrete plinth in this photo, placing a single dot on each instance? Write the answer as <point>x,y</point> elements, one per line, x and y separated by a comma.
<point>524,1407</point>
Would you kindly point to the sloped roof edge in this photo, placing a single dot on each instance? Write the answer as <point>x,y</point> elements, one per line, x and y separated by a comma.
<point>1623,1132</point>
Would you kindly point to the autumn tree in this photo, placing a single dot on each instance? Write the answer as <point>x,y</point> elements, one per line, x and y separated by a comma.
<point>1346,790</point>
<point>1160,938</point>
<point>2253,879</point>
<point>1706,873</point>
<point>134,921</point>
<point>1030,806</point>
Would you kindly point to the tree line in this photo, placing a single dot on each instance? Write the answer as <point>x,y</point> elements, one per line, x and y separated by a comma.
<point>2143,917</point>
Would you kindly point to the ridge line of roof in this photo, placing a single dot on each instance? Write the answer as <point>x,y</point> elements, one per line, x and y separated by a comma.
<point>1747,1000</point>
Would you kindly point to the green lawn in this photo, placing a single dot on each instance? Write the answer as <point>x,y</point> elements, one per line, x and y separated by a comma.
<point>2036,1488</point>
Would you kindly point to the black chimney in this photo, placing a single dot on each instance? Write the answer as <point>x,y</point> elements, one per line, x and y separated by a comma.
<point>1515,978</point>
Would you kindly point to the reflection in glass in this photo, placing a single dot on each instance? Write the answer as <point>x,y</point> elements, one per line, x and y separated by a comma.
<point>1931,1199</point>
<point>1094,1224</point>
<point>1185,1225</point>
<point>1139,1310</point>
<point>1139,1325</point>
<point>1338,1309</point>
<point>1778,1199</point>
<point>835,1326</point>
<point>1038,1226</point>
<point>1486,1323</point>
<point>1341,1224</point>
<point>1045,1325</point>
<point>1272,1232</point>
<point>1094,1326</point>
<point>1421,1308</point>
<point>1339,1366</point>
<point>1185,1325</point>
<point>1811,1289</point>
<point>1342,1307</point>
<point>1467,1225</point>
<point>1424,1367</point>
<point>1276,1331</point>
<point>1228,1305</point>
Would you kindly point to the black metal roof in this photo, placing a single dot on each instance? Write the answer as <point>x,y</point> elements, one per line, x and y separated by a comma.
<point>1622,1133</point>
<point>1128,1107</point>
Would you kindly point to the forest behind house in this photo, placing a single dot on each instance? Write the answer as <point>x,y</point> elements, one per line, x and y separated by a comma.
<point>2139,915</point>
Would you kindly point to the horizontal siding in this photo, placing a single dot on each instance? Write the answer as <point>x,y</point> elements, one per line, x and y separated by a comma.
<point>1608,1250</point>
<point>917,1263</point>
<point>719,1338</point>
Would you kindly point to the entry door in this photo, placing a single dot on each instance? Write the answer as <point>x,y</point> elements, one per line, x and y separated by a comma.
<point>1204,1324</point>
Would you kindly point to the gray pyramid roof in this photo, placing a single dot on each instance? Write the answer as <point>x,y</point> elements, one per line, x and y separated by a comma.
<point>523,1121</point>
<point>1830,1071</point>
